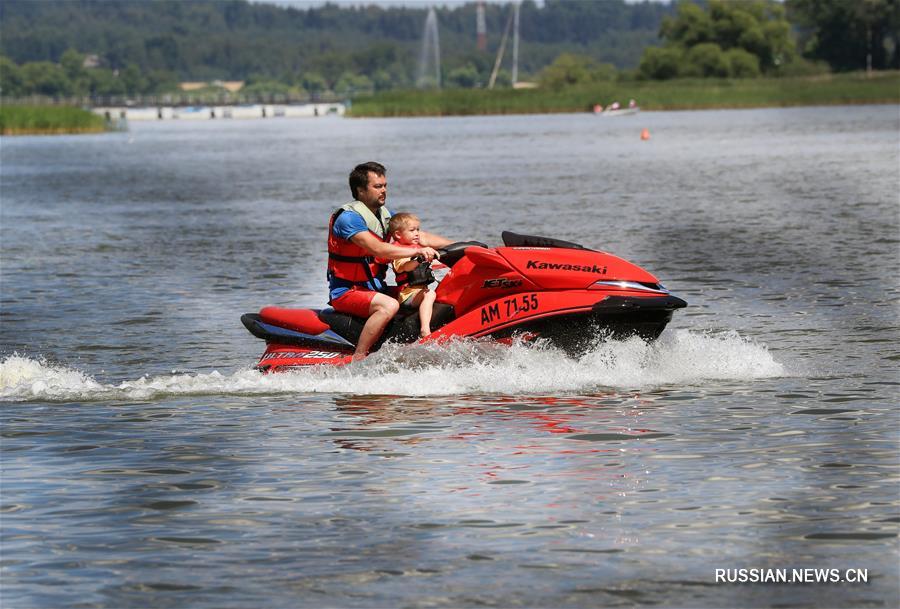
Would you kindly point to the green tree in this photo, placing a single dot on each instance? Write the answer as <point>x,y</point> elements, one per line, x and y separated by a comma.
<point>382,80</point>
<point>849,35</point>
<point>161,81</point>
<point>604,72</point>
<point>331,66</point>
<point>571,69</point>
<point>465,77</point>
<point>104,82</point>
<point>661,63</point>
<point>353,84</point>
<point>45,78</point>
<point>705,59</point>
<point>703,41</point>
<point>692,26</point>
<point>162,52</point>
<point>742,64</point>
<point>314,82</point>
<point>265,87</point>
<point>11,79</point>
<point>72,63</point>
<point>133,80</point>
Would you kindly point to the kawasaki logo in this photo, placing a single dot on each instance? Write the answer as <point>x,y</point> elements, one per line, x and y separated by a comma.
<point>553,266</point>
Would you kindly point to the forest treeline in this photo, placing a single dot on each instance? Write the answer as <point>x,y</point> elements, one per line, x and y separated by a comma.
<point>114,47</point>
<point>153,44</point>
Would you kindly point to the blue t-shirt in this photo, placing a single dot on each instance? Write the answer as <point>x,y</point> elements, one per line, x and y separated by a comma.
<point>348,224</point>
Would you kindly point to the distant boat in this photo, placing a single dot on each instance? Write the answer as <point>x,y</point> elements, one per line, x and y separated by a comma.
<point>614,109</point>
<point>620,111</point>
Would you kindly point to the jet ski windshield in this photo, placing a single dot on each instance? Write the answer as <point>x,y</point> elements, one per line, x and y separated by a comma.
<point>515,240</point>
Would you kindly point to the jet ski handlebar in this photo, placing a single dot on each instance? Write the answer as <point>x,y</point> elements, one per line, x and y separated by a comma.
<point>452,253</point>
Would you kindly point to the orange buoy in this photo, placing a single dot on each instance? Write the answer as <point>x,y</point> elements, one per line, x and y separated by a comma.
<point>645,134</point>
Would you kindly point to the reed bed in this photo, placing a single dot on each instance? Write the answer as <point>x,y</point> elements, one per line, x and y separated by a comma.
<point>46,120</point>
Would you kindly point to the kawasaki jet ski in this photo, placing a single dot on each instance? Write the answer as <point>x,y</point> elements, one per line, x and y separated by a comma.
<point>531,287</point>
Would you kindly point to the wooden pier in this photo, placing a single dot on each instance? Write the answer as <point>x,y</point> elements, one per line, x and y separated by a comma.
<point>215,112</point>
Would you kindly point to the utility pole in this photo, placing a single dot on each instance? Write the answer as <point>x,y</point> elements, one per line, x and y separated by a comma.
<point>480,27</point>
<point>515,66</point>
<point>500,52</point>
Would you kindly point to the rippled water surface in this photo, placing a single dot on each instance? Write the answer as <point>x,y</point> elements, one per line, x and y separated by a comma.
<point>145,464</point>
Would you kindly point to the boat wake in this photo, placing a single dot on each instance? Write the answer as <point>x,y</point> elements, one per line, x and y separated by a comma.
<point>682,357</point>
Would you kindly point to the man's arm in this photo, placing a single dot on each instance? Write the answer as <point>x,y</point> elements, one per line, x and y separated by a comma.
<point>351,226</point>
<point>389,251</point>
<point>432,240</point>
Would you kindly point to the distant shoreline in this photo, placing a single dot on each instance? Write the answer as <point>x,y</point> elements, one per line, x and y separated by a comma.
<point>675,95</point>
<point>642,109</point>
<point>695,94</point>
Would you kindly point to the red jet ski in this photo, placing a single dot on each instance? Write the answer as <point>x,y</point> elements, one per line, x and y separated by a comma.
<point>532,287</point>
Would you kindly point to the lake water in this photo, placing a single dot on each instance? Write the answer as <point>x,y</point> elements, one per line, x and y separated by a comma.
<point>145,464</point>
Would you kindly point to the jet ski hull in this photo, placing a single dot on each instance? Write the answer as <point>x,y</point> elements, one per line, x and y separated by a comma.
<point>572,322</point>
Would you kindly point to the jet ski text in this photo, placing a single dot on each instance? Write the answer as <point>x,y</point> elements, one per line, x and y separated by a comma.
<point>554,266</point>
<point>512,306</point>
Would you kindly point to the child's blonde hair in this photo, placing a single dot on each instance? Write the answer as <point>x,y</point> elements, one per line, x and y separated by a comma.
<point>400,220</point>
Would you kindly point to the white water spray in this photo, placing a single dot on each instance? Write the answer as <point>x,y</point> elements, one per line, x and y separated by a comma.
<point>463,367</point>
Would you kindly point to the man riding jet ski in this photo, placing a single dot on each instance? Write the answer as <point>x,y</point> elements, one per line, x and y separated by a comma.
<point>358,249</point>
<point>534,287</point>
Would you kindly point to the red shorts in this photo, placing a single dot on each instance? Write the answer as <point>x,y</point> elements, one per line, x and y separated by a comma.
<point>354,301</point>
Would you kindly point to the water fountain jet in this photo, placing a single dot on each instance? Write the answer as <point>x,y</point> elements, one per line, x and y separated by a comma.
<point>430,58</point>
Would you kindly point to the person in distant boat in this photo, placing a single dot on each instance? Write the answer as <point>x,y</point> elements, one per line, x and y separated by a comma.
<point>358,252</point>
<point>413,274</point>
<point>632,104</point>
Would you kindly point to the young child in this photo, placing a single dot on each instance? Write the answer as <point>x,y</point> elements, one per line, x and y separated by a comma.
<point>404,229</point>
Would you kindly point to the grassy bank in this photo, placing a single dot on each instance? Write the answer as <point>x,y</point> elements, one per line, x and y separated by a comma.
<point>683,94</point>
<point>42,120</point>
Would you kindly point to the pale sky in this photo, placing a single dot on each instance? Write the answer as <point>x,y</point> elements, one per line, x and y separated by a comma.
<point>308,3</point>
<point>410,3</point>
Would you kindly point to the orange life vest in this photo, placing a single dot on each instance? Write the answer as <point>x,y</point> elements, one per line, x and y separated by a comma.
<point>349,262</point>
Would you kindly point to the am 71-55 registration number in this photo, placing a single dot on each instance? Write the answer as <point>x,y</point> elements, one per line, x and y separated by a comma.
<point>509,307</point>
